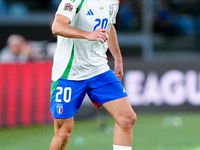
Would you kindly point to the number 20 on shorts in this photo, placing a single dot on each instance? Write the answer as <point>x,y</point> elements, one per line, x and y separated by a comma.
<point>66,92</point>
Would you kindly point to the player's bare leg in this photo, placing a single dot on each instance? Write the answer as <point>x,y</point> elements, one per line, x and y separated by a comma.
<point>125,118</point>
<point>63,131</point>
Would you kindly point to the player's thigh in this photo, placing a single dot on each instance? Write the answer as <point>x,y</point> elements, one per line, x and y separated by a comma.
<point>63,127</point>
<point>104,88</point>
<point>120,109</point>
<point>67,97</point>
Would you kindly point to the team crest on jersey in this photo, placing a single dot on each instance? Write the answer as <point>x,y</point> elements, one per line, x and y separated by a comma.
<point>111,9</point>
<point>68,7</point>
<point>59,108</point>
<point>111,6</point>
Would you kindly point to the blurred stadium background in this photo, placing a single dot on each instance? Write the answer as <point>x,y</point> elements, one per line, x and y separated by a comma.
<point>160,44</point>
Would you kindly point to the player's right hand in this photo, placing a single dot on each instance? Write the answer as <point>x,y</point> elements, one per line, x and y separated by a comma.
<point>100,35</point>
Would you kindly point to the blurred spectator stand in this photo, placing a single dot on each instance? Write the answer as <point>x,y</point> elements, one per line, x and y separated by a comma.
<point>18,49</point>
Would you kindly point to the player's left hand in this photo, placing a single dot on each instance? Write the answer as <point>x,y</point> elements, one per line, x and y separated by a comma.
<point>100,35</point>
<point>119,70</point>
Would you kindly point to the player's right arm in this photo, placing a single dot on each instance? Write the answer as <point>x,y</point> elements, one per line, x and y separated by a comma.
<point>61,27</point>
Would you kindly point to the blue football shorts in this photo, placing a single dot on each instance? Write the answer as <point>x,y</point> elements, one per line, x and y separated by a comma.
<point>67,95</point>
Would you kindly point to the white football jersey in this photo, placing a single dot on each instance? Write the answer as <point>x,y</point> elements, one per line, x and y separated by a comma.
<point>80,59</point>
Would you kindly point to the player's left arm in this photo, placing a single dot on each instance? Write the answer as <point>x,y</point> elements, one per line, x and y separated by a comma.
<point>116,53</point>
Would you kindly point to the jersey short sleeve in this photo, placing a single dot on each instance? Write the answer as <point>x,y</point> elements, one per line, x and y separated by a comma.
<point>68,8</point>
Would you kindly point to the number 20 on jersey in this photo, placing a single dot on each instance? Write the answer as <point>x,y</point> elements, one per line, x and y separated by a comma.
<point>101,23</point>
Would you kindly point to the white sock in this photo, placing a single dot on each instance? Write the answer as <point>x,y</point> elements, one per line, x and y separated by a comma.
<point>117,147</point>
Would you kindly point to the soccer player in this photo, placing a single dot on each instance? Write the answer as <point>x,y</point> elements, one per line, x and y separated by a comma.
<point>85,31</point>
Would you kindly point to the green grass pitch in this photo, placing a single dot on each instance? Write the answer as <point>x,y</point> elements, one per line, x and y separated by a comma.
<point>163,131</point>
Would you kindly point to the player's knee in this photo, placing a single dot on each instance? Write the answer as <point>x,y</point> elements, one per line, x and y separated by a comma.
<point>128,121</point>
<point>133,118</point>
<point>64,138</point>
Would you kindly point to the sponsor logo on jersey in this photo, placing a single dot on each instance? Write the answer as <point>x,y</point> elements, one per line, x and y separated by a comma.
<point>90,12</point>
<point>68,7</point>
<point>59,108</point>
